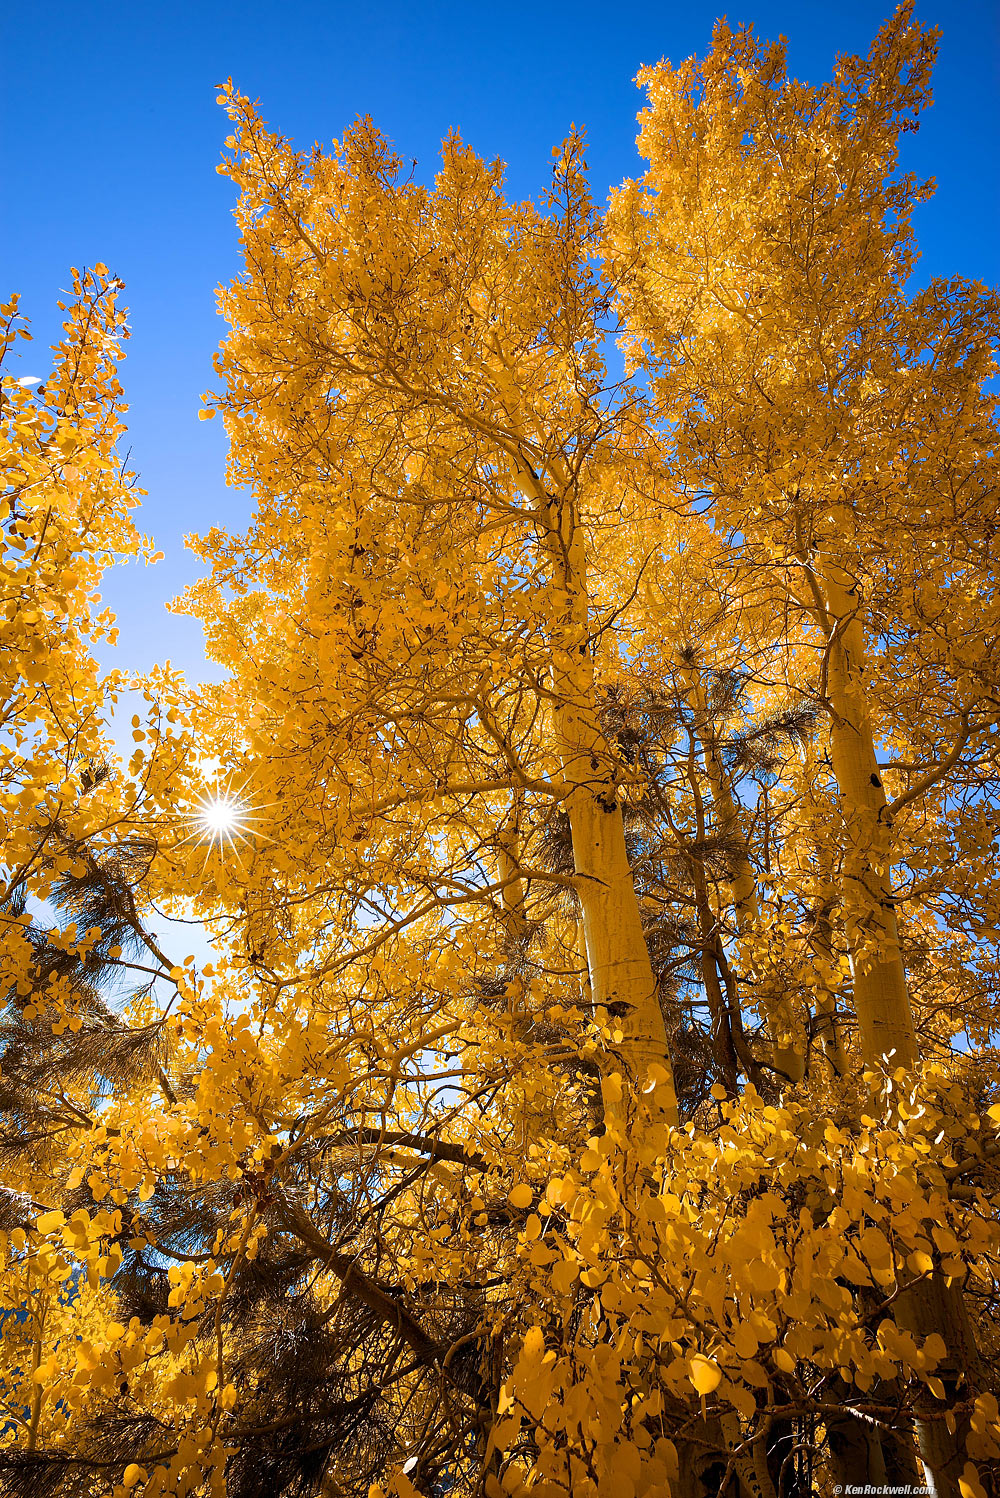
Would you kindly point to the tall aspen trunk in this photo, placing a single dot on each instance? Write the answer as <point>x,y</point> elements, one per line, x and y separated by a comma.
<point>881,994</point>
<point>621,975</point>
<point>937,1304</point>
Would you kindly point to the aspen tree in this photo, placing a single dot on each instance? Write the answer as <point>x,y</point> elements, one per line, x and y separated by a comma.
<point>745,309</point>
<point>509,292</point>
<point>546,706</point>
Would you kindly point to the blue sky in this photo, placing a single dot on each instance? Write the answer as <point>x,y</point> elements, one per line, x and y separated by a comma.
<point>111,135</point>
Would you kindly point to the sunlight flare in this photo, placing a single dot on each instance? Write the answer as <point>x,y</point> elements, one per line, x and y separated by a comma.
<point>221,820</point>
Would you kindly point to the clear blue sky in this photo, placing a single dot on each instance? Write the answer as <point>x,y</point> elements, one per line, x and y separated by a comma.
<point>111,136</point>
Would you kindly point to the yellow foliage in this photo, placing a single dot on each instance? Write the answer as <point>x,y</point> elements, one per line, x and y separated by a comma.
<point>593,1088</point>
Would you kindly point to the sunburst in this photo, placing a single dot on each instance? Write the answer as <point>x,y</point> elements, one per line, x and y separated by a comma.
<point>222,820</point>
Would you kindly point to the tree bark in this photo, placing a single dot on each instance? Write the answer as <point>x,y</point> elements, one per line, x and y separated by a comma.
<point>621,975</point>
<point>937,1304</point>
<point>881,993</point>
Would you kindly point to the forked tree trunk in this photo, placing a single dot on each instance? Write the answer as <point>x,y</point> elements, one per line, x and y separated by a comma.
<point>881,995</point>
<point>856,1452</point>
<point>621,975</point>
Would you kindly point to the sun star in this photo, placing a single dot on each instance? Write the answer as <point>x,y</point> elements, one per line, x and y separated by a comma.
<point>221,820</point>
